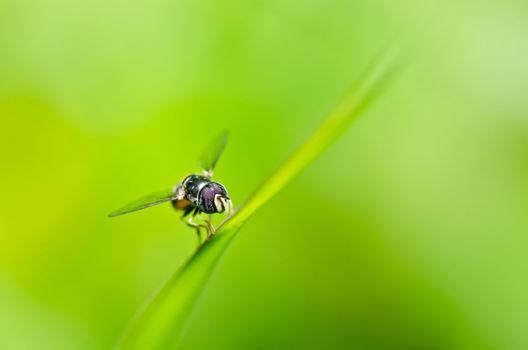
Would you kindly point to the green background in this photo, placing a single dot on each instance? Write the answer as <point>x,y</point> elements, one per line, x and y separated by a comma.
<point>409,233</point>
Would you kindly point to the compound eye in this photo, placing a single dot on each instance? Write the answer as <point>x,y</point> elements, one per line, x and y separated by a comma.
<point>220,203</point>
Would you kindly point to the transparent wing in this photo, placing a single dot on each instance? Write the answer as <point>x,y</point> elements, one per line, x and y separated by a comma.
<point>213,152</point>
<point>146,202</point>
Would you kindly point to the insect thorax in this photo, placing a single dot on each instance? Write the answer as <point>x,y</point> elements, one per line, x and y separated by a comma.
<point>192,185</point>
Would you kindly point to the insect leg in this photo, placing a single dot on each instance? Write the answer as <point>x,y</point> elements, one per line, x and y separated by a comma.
<point>211,230</point>
<point>189,222</point>
<point>209,222</point>
<point>230,207</point>
<point>206,223</point>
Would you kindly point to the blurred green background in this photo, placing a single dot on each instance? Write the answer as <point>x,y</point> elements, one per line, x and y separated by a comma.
<point>409,233</point>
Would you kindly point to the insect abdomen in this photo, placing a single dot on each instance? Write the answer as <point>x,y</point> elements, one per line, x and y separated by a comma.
<point>181,204</point>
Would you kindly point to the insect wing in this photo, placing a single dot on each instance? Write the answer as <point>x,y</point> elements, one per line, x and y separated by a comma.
<point>145,202</point>
<point>213,152</point>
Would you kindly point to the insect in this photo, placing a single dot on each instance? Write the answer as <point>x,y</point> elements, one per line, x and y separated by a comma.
<point>196,193</point>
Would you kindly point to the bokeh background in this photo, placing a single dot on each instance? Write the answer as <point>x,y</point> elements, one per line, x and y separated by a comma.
<point>409,233</point>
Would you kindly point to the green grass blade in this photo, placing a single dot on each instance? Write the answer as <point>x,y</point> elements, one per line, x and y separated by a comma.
<point>161,324</point>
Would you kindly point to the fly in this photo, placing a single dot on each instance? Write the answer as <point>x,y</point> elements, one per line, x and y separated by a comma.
<point>196,193</point>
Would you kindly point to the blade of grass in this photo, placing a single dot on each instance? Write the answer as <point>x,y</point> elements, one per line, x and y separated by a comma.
<point>160,324</point>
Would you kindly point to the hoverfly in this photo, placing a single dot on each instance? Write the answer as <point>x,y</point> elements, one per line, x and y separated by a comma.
<point>196,193</point>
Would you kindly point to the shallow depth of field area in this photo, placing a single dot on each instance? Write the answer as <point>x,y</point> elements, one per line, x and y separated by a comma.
<point>409,232</point>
